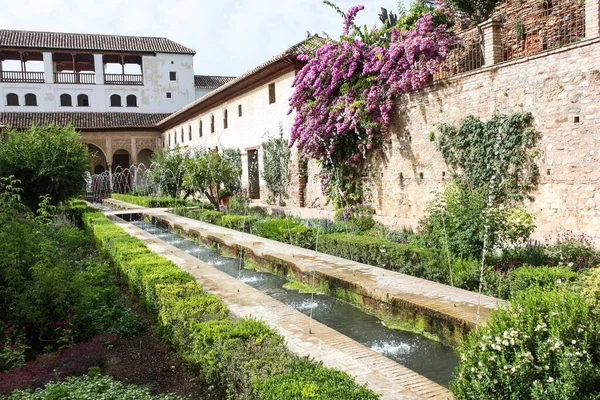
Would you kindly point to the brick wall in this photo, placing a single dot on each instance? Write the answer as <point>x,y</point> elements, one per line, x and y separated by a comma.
<point>558,87</point>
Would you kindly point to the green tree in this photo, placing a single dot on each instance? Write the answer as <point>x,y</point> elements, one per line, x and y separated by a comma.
<point>212,173</point>
<point>276,166</point>
<point>168,170</point>
<point>47,160</point>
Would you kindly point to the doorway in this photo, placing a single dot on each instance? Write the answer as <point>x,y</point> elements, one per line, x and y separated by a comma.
<point>253,177</point>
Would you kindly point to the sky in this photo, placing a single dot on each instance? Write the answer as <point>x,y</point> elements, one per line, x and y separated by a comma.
<point>229,36</point>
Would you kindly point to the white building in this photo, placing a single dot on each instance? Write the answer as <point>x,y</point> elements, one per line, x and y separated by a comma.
<point>242,114</point>
<point>52,71</point>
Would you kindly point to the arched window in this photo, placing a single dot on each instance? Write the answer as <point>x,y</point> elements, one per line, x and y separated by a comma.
<point>83,100</point>
<point>225,119</point>
<point>131,101</point>
<point>182,135</point>
<point>12,99</point>
<point>200,128</point>
<point>115,100</point>
<point>190,132</point>
<point>65,100</point>
<point>30,99</point>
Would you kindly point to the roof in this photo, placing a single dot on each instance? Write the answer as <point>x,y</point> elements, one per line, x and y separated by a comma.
<point>211,82</point>
<point>91,42</point>
<point>82,120</point>
<point>235,86</point>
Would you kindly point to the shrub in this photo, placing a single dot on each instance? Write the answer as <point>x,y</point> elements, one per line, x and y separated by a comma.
<point>48,160</point>
<point>73,361</point>
<point>242,223</point>
<point>456,222</point>
<point>404,258</point>
<point>590,285</point>
<point>152,201</point>
<point>89,387</point>
<point>544,345</point>
<point>574,251</point>
<point>239,202</point>
<point>311,381</point>
<point>286,230</point>
<point>544,277</point>
<point>359,216</point>
<point>167,171</point>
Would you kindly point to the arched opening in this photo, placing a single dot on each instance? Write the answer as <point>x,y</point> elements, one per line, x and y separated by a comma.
<point>12,99</point>
<point>83,100</point>
<point>131,101</point>
<point>97,158</point>
<point>120,171</point>
<point>65,100</point>
<point>98,169</point>
<point>145,157</point>
<point>115,100</point>
<point>30,99</point>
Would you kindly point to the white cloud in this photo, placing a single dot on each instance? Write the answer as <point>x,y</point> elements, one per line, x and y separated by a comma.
<point>229,36</point>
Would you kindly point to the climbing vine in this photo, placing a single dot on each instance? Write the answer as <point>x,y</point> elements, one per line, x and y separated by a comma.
<point>344,94</point>
<point>503,147</point>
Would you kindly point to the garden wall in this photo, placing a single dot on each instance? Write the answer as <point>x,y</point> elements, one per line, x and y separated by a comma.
<point>561,88</point>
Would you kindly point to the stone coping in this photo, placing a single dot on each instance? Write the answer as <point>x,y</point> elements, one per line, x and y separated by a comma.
<point>379,373</point>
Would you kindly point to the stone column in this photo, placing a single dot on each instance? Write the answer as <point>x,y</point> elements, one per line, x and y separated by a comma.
<point>99,69</point>
<point>592,20</point>
<point>492,41</point>
<point>48,67</point>
<point>110,176</point>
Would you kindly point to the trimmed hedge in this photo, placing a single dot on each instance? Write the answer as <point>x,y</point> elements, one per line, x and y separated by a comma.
<point>287,231</point>
<point>405,258</point>
<point>153,202</point>
<point>244,358</point>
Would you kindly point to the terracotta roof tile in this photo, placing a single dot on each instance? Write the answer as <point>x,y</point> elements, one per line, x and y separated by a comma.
<point>91,42</point>
<point>82,120</point>
<point>211,82</point>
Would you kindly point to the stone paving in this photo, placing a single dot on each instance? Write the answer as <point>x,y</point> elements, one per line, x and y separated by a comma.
<point>382,375</point>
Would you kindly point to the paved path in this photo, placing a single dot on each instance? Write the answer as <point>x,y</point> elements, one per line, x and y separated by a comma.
<point>379,373</point>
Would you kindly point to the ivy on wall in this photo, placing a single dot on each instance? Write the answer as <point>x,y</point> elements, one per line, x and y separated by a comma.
<point>501,150</point>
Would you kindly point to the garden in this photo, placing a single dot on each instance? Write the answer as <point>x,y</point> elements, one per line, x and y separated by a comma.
<point>88,311</point>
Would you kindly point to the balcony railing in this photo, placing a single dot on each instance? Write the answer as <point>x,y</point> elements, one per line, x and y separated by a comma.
<point>123,79</point>
<point>22,77</point>
<point>75,77</point>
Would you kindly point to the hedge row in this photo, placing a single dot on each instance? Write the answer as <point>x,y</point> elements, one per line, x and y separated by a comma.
<point>404,258</point>
<point>151,202</point>
<point>243,358</point>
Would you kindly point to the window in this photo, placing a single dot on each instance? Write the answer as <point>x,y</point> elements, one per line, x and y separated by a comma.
<point>65,100</point>
<point>30,99</point>
<point>175,137</point>
<point>190,132</point>
<point>169,135</point>
<point>182,135</point>
<point>200,128</point>
<point>131,101</point>
<point>83,100</point>
<point>271,93</point>
<point>115,100</point>
<point>173,76</point>
<point>168,95</point>
<point>225,119</point>
<point>12,99</point>
<point>212,124</point>
<point>240,110</point>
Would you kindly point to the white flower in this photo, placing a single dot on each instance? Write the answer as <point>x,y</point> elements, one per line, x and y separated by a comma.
<point>574,341</point>
<point>551,379</point>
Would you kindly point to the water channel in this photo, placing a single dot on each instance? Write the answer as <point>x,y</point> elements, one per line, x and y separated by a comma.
<point>424,356</point>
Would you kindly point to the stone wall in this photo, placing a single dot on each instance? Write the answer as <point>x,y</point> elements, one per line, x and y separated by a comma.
<point>561,88</point>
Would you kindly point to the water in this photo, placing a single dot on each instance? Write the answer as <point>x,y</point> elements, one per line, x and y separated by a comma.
<point>424,356</point>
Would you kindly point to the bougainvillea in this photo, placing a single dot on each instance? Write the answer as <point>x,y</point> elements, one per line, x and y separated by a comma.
<point>344,94</point>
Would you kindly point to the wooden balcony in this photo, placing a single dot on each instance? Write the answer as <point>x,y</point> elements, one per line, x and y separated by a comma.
<point>123,79</point>
<point>21,77</point>
<point>88,78</point>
